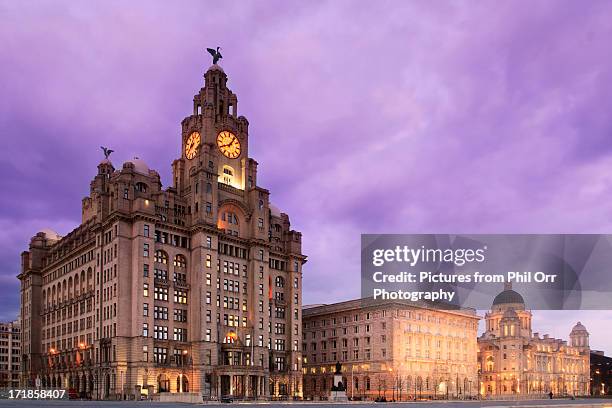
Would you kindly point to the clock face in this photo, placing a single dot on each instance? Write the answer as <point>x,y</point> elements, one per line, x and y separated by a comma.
<point>192,145</point>
<point>228,144</point>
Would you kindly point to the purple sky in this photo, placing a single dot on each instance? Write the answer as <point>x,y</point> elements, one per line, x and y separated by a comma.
<point>377,117</point>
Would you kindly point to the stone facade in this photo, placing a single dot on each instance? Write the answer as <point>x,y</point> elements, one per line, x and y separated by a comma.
<point>10,354</point>
<point>514,361</point>
<point>395,349</point>
<point>193,288</point>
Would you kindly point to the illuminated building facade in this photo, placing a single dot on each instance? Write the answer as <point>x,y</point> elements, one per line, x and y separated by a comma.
<point>195,288</point>
<point>513,360</point>
<point>392,349</point>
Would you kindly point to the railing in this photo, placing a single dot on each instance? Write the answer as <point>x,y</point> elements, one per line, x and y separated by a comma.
<point>230,189</point>
<point>181,284</point>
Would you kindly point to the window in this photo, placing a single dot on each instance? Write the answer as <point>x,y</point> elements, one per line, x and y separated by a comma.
<point>260,223</point>
<point>180,315</point>
<point>160,332</point>
<point>161,257</point>
<point>279,282</point>
<point>160,313</point>
<point>145,250</point>
<point>145,290</point>
<point>279,363</point>
<point>145,270</point>
<point>180,261</point>
<point>145,309</point>
<point>160,355</point>
<point>160,274</point>
<point>145,353</point>
<point>161,293</point>
<point>208,260</point>
<point>228,174</point>
<point>146,230</point>
<point>180,296</point>
<point>145,330</point>
<point>180,334</point>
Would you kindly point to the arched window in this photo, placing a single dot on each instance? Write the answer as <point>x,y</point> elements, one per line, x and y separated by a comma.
<point>180,261</point>
<point>230,217</point>
<point>490,364</point>
<point>141,187</point>
<point>182,383</point>
<point>163,383</point>
<point>280,282</point>
<point>228,175</point>
<point>161,257</point>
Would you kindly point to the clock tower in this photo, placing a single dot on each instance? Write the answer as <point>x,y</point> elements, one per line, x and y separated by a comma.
<point>214,142</point>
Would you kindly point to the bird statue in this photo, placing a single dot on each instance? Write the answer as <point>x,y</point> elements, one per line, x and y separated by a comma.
<point>215,54</point>
<point>107,151</point>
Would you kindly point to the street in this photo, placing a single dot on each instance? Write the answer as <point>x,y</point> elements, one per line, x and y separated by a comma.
<point>583,403</point>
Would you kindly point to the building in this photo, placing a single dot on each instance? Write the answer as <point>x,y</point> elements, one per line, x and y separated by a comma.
<point>191,288</point>
<point>513,360</point>
<point>392,349</point>
<point>10,354</point>
<point>601,373</point>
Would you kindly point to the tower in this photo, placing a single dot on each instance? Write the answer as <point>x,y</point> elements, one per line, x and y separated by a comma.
<point>579,337</point>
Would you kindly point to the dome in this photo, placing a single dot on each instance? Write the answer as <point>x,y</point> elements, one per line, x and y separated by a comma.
<point>510,314</point>
<point>51,235</point>
<point>215,67</point>
<point>579,327</point>
<point>508,296</point>
<point>139,165</point>
<point>276,212</point>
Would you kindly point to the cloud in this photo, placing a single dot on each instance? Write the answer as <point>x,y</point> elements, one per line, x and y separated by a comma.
<point>365,117</point>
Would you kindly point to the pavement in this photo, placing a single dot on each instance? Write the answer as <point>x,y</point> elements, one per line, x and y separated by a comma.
<point>559,403</point>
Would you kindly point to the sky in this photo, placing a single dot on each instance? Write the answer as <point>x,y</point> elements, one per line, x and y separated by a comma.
<point>365,117</point>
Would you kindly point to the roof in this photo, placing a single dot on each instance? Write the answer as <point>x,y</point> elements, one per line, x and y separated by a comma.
<point>508,296</point>
<point>139,166</point>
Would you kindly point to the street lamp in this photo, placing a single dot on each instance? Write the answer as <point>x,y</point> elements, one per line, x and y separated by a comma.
<point>392,384</point>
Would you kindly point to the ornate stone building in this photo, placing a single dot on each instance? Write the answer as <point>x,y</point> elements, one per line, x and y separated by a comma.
<point>513,360</point>
<point>395,349</point>
<point>192,288</point>
<point>10,354</point>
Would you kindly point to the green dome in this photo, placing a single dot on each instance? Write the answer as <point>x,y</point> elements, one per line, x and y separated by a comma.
<point>508,297</point>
